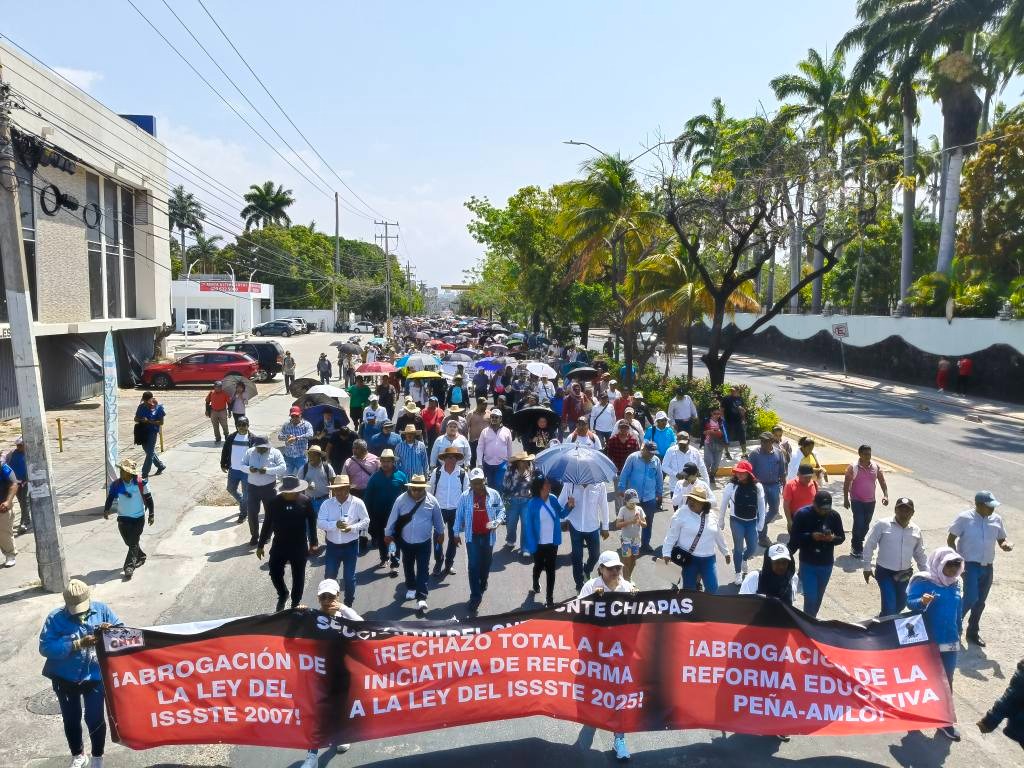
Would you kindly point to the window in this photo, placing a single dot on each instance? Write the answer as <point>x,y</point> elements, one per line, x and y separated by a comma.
<point>93,237</point>
<point>128,252</point>
<point>111,235</point>
<point>26,204</point>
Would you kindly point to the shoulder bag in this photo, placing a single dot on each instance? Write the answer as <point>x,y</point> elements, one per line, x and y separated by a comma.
<point>682,556</point>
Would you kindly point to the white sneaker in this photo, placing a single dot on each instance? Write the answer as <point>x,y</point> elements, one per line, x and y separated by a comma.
<point>421,605</point>
<point>9,563</point>
<point>739,577</point>
<point>79,761</point>
<point>310,761</point>
<point>96,762</point>
<point>341,748</point>
<point>743,570</point>
<point>410,594</point>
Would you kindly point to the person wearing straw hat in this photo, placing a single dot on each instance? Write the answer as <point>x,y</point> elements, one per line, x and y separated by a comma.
<point>516,490</point>
<point>131,492</point>
<point>383,488</point>
<point>291,522</point>
<point>68,641</point>
<point>410,414</point>
<point>415,515</point>
<point>447,483</point>
<point>343,519</point>
<point>479,513</point>
<point>744,506</point>
<point>456,414</point>
<point>692,538</point>
<point>412,453</point>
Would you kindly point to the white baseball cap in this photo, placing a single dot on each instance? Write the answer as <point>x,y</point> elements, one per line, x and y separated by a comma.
<point>476,474</point>
<point>328,587</point>
<point>779,552</point>
<point>609,559</point>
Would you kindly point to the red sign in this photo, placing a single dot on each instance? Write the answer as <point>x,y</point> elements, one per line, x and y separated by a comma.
<point>228,286</point>
<point>649,661</point>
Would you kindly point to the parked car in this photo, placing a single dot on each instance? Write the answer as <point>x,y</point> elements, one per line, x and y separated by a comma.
<point>301,326</point>
<point>363,326</point>
<point>274,328</point>
<point>194,325</point>
<point>269,354</point>
<point>199,368</point>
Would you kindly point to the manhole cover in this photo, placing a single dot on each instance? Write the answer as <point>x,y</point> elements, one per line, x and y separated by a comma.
<point>43,703</point>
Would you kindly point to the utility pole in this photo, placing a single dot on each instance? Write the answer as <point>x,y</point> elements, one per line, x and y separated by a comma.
<point>45,517</point>
<point>408,281</point>
<point>337,260</point>
<point>386,238</point>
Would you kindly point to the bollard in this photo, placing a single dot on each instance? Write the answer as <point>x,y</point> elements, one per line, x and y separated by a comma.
<point>60,436</point>
<point>161,439</point>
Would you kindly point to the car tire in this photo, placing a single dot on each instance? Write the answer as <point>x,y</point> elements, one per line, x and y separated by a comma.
<point>286,334</point>
<point>257,333</point>
<point>261,375</point>
<point>162,381</point>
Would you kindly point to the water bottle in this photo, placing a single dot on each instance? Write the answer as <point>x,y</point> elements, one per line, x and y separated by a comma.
<point>392,550</point>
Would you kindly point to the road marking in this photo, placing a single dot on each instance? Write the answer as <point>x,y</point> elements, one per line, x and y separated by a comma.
<point>1001,458</point>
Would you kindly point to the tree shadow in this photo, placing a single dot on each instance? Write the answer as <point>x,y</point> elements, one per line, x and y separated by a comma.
<point>215,525</point>
<point>24,593</point>
<point>916,750</point>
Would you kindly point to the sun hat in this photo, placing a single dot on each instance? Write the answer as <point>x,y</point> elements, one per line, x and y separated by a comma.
<point>522,456</point>
<point>76,596</point>
<point>129,466</point>
<point>476,474</point>
<point>699,493</point>
<point>315,449</point>
<point>410,429</point>
<point>340,481</point>
<point>417,481</point>
<point>495,412</point>
<point>455,409</point>
<point>387,453</point>
<point>745,466</point>
<point>291,484</point>
<point>661,416</point>
<point>452,451</point>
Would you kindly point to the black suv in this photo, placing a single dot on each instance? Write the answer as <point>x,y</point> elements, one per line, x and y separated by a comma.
<point>269,354</point>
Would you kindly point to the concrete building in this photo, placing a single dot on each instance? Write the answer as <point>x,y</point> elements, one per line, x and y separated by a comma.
<point>96,247</point>
<point>225,305</point>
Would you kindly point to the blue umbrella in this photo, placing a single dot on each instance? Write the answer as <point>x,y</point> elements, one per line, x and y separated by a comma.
<point>491,364</point>
<point>315,416</point>
<point>575,463</point>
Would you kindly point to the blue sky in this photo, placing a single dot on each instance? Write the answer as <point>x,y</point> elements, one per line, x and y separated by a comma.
<point>418,106</point>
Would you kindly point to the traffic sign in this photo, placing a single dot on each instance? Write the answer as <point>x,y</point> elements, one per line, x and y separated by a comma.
<point>841,330</point>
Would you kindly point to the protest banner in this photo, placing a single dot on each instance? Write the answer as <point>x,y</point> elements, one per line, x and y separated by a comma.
<point>649,661</point>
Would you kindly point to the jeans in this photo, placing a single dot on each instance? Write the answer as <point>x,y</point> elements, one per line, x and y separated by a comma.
<point>478,554</point>
<point>238,485</point>
<point>949,664</point>
<point>472,452</point>
<point>682,425</point>
<point>814,579</point>
<point>495,474</point>
<point>71,697</point>
<point>343,555</point>
<point>862,514</point>
<point>297,560</point>
<point>977,583</point>
<point>545,561</point>
<point>294,463</point>
<point>515,509</point>
<point>289,379</point>
<point>706,568</point>
<point>444,556</point>
<point>416,562</point>
<point>130,529</point>
<point>649,507</point>
<point>772,494</point>
<point>592,541</point>
<point>894,593</point>
<point>254,495</point>
<point>744,541</point>
<point>151,458</point>
<point>713,449</point>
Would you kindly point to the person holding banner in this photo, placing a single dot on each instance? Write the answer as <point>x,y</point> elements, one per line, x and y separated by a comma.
<point>68,642</point>
<point>609,579</point>
<point>693,536</point>
<point>777,577</point>
<point>479,512</point>
<point>414,515</point>
<point>542,533</point>
<point>290,519</point>
<point>937,594</point>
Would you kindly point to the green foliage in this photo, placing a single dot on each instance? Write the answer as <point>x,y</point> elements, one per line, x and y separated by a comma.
<point>267,205</point>
<point>974,292</point>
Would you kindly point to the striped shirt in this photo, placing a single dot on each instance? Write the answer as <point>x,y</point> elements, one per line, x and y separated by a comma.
<point>411,458</point>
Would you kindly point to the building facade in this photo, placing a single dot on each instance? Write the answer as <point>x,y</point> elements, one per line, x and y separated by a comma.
<point>225,304</point>
<point>92,189</point>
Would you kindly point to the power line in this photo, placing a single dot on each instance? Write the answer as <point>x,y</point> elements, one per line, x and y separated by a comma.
<point>283,112</point>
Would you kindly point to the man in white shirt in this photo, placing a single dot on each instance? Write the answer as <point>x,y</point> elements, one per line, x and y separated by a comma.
<point>447,484</point>
<point>450,439</point>
<point>681,454</point>
<point>342,518</point>
<point>900,546</point>
<point>545,390</point>
<point>583,436</point>
<point>588,524</point>
<point>263,466</point>
<point>682,411</point>
<point>614,393</point>
<point>235,446</point>
<point>374,407</point>
<point>602,417</point>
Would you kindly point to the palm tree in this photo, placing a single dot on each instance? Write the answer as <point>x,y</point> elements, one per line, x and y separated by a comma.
<point>937,36</point>
<point>701,140</point>
<point>206,252</point>
<point>609,225</point>
<point>822,92</point>
<point>266,205</point>
<point>184,212</point>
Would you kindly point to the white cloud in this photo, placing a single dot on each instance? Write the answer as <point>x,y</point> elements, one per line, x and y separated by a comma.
<point>82,78</point>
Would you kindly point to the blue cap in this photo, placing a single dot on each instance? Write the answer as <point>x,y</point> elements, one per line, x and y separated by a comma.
<point>986,498</point>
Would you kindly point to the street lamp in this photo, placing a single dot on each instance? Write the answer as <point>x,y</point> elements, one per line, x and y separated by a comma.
<point>187,275</point>
<point>602,152</point>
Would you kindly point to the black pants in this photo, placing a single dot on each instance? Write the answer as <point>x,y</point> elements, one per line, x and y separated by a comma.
<point>254,496</point>
<point>297,560</point>
<point>71,697</point>
<point>445,555</point>
<point>962,382</point>
<point>472,450</point>
<point>131,531</point>
<point>544,560</point>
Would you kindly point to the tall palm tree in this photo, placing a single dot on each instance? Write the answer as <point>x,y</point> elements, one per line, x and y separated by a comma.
<point>184,213</point>
<point>701,140</point>
<point>936,36</point>
<point>267,205</point>
<point>206,252</point>
<point>609,225</point>
<point>821,91</point>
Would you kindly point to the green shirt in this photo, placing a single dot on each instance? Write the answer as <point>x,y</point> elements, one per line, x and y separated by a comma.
<point>359,394</point>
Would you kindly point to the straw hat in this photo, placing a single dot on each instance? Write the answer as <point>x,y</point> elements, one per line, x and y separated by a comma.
<point>522,456</point>
<point>129,466</point>
<point>451,450</point>
<point>699,493</point>
<point>417,481</point>
<point>410,429</point>
<point>340,481</point>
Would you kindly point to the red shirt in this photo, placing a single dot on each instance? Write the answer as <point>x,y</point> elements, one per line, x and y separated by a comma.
<point>799,495</point>
<point>965,366</point>
<point>619,404</point>
<point>618,450</point>
<point>432,419</point>
<point>218,399</point>
<point>480,519</point>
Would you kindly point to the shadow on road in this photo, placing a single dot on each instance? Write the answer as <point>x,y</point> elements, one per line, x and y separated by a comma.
<point>921,749</point>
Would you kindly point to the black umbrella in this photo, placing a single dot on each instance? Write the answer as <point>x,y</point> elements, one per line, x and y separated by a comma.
<point>583,372</point>
<point>347,347</point>
<point>300,386</point>
<point>524,420</point>
<point>458,357</point>
<point>473,353</point>
<point>308,401</point>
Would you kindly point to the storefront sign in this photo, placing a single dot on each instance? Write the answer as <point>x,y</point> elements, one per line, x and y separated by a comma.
<point>229,287</point>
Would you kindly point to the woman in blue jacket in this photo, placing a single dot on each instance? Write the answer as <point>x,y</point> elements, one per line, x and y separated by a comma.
<point>68,642</point>
<point>938,595</point>
<point>542,533</point>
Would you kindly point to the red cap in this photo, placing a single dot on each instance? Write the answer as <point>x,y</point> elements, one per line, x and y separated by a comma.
<point>744,466</point>
<point>296,411</point>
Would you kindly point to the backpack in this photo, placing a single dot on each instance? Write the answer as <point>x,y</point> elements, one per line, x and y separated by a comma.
<point>462,477</point>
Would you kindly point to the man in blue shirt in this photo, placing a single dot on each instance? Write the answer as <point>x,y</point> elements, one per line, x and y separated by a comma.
<point>661,434</point>
<point>770,466</point>
<point>642,473</point>
<point>149,419</point>
<point>386,438</point>
<point>479,512</point>
<point>131,492</point>
<point>16,461</point>
<point>8,490</point>
<point>414,524</point>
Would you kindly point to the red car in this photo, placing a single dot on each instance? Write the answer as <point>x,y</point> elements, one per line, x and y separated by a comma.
<point>199,368</point>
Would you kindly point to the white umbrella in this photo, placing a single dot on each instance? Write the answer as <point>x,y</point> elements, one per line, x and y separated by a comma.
<point>329,390</point>
<point>541,370</point>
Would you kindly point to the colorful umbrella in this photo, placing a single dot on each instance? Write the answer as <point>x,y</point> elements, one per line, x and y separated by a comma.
<point>417,361</point>
<point>424,375</point>
<point>314,414</point>
<point>575,463</point>
<point>490,364</point>
<point>375,368</point>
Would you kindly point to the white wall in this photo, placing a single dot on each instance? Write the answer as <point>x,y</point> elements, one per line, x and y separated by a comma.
<point>319,316</point>
<point>930,334</point>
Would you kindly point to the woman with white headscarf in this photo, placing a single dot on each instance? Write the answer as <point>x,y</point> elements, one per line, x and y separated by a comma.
<point>937,594</point>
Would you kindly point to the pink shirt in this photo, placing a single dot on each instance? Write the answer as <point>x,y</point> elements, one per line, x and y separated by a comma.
<point>863,486</point>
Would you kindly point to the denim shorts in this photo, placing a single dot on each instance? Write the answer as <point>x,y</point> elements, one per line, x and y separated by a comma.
<point>630,548</point>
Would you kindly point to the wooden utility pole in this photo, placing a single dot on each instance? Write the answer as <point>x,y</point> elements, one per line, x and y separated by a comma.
<point>45,517</point>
